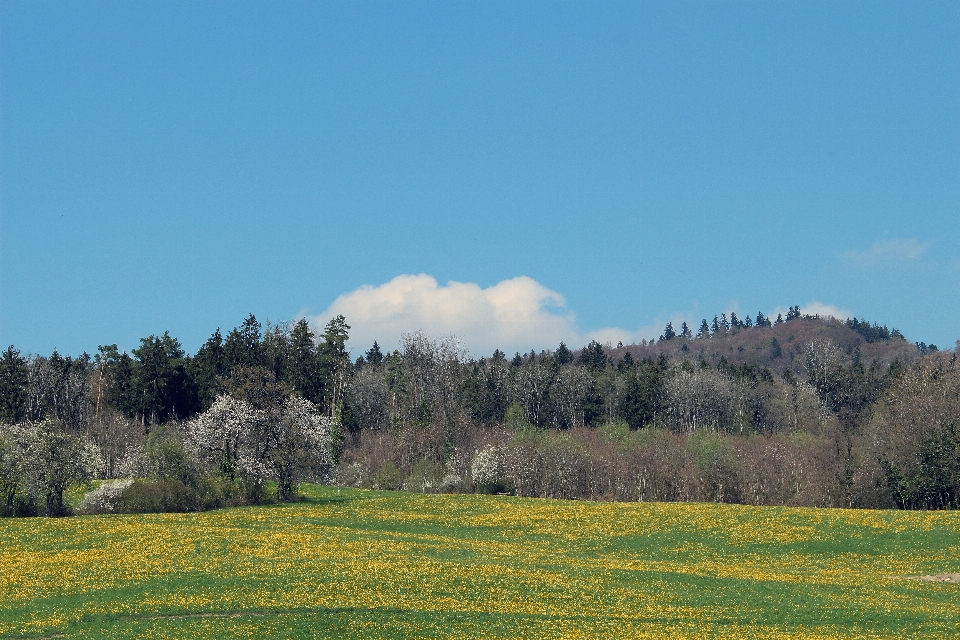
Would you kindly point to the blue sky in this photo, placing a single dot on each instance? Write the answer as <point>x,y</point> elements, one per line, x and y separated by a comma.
<point>576,170</point>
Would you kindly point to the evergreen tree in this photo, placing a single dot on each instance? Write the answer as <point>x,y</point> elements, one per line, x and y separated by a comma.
<point>162,384</point>
<point>243,345</point>
<point>593,356</point>
<point>668,332</point>
<point>334,360</point>
<point>374,355</point>
<point>704,331</point>
<point>685,331</point>
<point>563,355</point>
<point>303,364</point>
<point>123,393</point>
<point>13,386</point>
<point>642,397</point>
<point>775,349</point>
<point>205,367</point>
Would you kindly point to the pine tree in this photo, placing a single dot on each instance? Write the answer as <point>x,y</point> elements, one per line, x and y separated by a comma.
<point>374,355</point>
<point>303,363</point>
<point>668,332</point>
<point>243,345</point>
<point>205,367</point>
<point>775,349</point>
<point>13,385</point>
<point>593,356</point>
<point>704,331</point>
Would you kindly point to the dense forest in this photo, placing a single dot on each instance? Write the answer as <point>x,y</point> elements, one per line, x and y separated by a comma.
<point>798,410</point>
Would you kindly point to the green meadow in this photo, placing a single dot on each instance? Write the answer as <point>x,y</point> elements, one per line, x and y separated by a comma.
<point>368,564</point>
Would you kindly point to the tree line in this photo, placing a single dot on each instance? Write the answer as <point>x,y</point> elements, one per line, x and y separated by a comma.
<point>796,410</point>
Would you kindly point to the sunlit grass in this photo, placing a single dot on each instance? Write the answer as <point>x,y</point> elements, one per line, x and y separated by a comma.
<point>350,563</point>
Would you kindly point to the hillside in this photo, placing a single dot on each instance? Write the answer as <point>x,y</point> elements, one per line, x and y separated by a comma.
<point>349,563</point>
<point>758,346</point>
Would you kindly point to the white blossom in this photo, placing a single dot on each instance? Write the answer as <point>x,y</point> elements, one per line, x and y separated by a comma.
<point>487,465</point>
<point>103,499</point>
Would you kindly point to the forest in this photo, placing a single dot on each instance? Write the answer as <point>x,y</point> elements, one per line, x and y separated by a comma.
<point>797,410</point>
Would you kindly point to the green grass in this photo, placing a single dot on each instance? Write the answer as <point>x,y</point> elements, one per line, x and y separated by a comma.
<point>349,563</point>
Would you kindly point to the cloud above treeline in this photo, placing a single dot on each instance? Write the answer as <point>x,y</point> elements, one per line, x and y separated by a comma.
<point>814,308</point>
<point>895,250</point>
<point>518,314</point>
<point>514,315</point>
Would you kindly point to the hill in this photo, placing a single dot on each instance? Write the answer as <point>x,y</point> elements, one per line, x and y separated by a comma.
<point>780,347</point>
<point>389,565</point>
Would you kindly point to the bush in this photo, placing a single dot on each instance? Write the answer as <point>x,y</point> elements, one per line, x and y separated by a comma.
<point>174,496</point>
<point>155,496</point>
<point>388,477</point>
<point>104,498</point>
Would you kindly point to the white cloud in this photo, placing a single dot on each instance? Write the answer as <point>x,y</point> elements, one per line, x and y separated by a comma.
<point>815,308</point>
<point>895,250</point>
<point>518,314</point>
<point>650,332</point>
<point>513,315</point>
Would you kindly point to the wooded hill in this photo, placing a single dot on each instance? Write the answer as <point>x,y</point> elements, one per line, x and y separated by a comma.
<point>801,410</point>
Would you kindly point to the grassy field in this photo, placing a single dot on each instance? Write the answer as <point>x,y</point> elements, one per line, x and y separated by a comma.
<point>376,564</point>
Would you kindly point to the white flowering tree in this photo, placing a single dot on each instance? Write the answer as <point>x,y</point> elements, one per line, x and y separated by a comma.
<point>285,443</point>
<point>487,468</point>
<point>54,460</point>
<point>13,460</point>
<point>295,444</point>
<point>224,435</point>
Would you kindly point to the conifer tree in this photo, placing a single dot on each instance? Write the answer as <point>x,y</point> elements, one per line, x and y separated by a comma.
<point>704,331</point>
<point>668,332</point>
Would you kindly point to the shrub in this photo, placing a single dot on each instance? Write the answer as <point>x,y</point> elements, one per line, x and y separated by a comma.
<point>103,499</point>
<point>174,496</point>
<point>388,477</point>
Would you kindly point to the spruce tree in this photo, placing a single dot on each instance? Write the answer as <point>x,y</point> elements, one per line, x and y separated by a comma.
<point>704,331</point>
<point>668,332</point>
